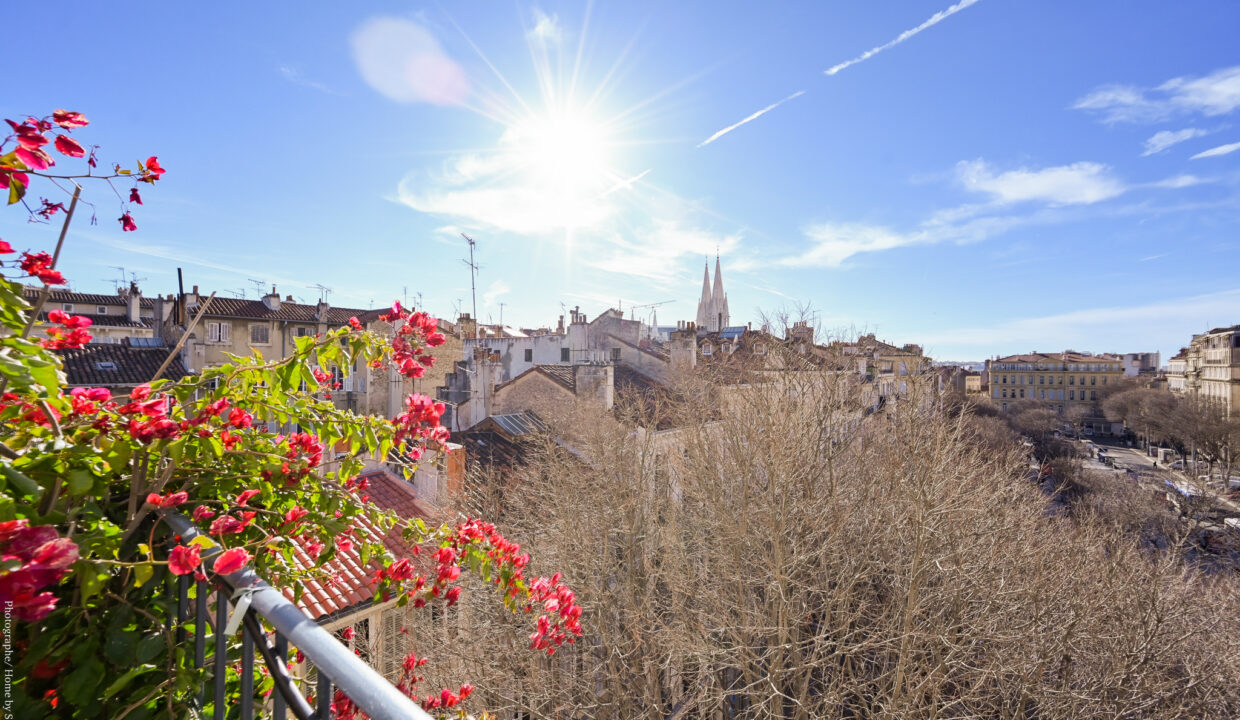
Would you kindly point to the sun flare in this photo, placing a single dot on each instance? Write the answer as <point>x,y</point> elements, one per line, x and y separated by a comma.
<point>563,149</point>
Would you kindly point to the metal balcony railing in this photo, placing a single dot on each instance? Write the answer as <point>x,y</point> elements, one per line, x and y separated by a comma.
<point>336,666</point>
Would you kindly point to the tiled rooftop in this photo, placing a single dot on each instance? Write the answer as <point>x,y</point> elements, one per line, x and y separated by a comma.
<point>120,365</point>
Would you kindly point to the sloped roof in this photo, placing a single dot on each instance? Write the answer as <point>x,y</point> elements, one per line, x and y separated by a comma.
<point>562,375</point>
<point>349,583</point>
<point>514,425</point>
<point>68,296</point>
<point>1058,357</point>
<point>88,366</point>
<point>290,311</point>
<point>107,320</point>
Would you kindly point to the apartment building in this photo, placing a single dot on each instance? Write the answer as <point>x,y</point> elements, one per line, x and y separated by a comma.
<point>127,314</point>
<point>1063,381</point>
<point>1209,368</point>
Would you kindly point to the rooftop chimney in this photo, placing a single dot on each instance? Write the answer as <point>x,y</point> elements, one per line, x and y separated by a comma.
<point>133,303</point>
<point>272,299</point>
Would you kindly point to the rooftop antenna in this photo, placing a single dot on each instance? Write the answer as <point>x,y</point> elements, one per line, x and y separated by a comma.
<point>134,279</point>
<point>473,284</point>
<point>404,298</point>
<point>119,283</point>
<point>324,291</point>
<point>258,286</point>
<point>501,315</point>
<point>238,293</point>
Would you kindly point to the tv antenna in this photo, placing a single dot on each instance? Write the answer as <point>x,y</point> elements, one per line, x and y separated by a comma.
<point>324,291</point>
<point>473,283</point>
<point>501,315</point>
<point>238,293</point>
<point>259,285</point>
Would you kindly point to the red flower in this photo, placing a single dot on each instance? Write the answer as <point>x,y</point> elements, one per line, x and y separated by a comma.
<point>453,595</point>
<point>355,323</point>
<point>69,120</point>
<point>168,501</point>
<point>49,208</point>
<point>239,418</point>
<point>202,512</point>
<point>184,559</point>
<point>246,496</point>
<point>230,561</point>
<point>348,633</point>
<point>127,223</point>
<point>226,524</point>
<point>68,146</point>
<point>153,168</point>
<point>5,248</point>
<point>141,392</point>
<point>134,196</point>
<point>34,158</point>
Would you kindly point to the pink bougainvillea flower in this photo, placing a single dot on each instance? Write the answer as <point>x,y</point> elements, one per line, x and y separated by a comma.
<point>355,323</point>
<point>168,501</point>
<point>141,392</point>
<point>6,249</point>
<point>127,223</point>
<point>134,196</point>
<point>203,513</point>
<point>246,496</point>
<point>153,168</point>
<point>184,559</point>
<point>230,561</point>
<point>69,120</point>
<point>34,158</point>
<point>68,146</point>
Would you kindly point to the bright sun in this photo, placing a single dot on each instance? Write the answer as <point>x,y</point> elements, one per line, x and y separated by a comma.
<point>563,149</point>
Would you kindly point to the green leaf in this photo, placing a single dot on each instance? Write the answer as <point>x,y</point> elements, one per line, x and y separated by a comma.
<point>80,687</point>
<point>123,681</point>
<point>120,646</point>
<point>142,574</point>
<point>149,647</point>
<point>79,482</point>
<point>17,189</point>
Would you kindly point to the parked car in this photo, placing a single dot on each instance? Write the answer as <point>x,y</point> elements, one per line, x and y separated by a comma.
<point>1177,465</point>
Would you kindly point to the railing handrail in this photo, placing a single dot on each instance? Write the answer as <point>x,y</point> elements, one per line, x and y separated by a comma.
<point>369,690</point>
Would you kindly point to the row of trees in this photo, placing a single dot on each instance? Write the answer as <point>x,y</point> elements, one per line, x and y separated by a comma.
<point>1194,426</point>
<point>791,556</point>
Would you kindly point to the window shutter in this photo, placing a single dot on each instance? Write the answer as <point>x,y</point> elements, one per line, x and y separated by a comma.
<point>213,332</point>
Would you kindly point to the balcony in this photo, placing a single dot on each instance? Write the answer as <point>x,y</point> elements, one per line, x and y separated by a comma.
<point>257,603</point>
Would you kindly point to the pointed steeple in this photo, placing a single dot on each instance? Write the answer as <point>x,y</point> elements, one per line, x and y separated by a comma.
<point>705,308</point>
<point>719,315</point>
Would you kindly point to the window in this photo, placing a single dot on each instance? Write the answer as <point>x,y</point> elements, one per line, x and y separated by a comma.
<point>105,365</point>
<point>615,354</point>
<point>1071,394</point>
<point>706,349</point>
<point>102,309</point>
<point>759,349</point>
<point>1041,379</point>
<point>68,307</point>
<point>529,355</point>
<point>563,354</point>
<point>1071,379</point>
<point>1104,380</point>
<point>1093,379</point>
<point>219,332</point>
<point>1005,392</point>
<point>260,334</point>
<point>1093,394</point>
<point>301,332</point>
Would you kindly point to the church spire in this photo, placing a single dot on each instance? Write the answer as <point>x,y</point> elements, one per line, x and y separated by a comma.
<point>705,311</point>
<point>719,315</point>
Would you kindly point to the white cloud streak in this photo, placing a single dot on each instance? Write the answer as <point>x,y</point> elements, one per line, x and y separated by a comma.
<point>1081,183</point>
<point>1217,151</point>
<point>935,19</point>
<point>1215,94</point>
<point>1164,139</point>
<point>750,119</point>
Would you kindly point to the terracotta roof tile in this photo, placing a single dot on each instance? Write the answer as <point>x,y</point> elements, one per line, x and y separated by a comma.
<point>291,311</point>
<point>101,365</point>
<point>68,296</point>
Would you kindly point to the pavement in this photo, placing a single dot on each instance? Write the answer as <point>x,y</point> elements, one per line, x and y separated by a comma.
<point>1142,465</point>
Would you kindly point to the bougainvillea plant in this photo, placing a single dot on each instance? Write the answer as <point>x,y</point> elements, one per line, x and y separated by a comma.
<point>86,477</point>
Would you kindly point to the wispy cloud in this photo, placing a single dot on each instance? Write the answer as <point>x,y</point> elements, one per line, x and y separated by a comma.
<point>546,28</point>
<point>1179,181</point>
<point>1217,151</point>
<point>1080,183</point>
<point>1160,325</point>
<point>1159,256</point>
<point>1164,139</point>
<point>403,61</point>
<point>497,289</point>
<point>294,76</point>
<point>658,252</point>
<point>749,119</point>
<point>1215,94</point>
<point>935,19</point>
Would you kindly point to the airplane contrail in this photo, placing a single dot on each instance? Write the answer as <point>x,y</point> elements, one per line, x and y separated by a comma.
<point>935,19</point>
<point>751,118</point>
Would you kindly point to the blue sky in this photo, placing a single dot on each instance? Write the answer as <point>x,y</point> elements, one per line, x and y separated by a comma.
<point>984,178</point>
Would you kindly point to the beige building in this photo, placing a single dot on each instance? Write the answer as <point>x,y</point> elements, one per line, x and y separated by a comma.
<point>272,325</point>
<point>1209,368</point>
<point>113,317</point>
<point>1062,381</point>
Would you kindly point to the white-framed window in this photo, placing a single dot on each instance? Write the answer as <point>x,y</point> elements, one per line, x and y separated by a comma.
<point>219,332</point>
<point>68,307</point>
<point>301,332</point>
<point>101,310</point>
<point>707,349</point>
<point>260,334</point>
